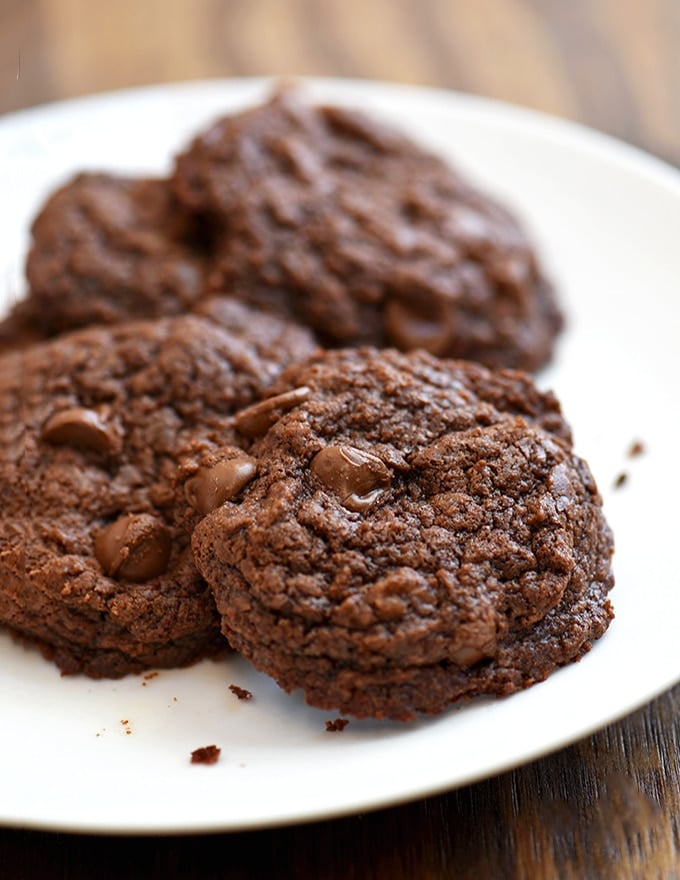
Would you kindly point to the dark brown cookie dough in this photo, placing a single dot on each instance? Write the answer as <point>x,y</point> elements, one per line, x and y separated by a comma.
<point>411,532</point>
<point>349,227</point>
<point>108,249</point>
<point>277,342</point>
<point>95,558</point>
<point>18,329</point>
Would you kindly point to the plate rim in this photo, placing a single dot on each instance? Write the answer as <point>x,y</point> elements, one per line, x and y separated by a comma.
<point>577,136</point>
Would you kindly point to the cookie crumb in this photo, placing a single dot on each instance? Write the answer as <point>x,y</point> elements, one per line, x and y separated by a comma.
<point>636,448</point>
<point>240,692</point>
<point>337,726</point>
<point>150,675</point>
<point>205,755</point>
<point>620,480</point>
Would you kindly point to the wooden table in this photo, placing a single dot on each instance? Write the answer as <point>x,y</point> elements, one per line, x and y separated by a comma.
<point>605,807</point>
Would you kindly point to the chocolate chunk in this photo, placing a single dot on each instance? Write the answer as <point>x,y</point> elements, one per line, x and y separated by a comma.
<point>356,476</point>
<point>135,547</point>
<point>409,327</point>
<point>468,655</point>
<point>212,486</point>
<point>257,419</point>
<point>82,429</point>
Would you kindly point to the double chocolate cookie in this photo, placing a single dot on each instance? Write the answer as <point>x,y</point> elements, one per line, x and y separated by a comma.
<point>95,558</point>
<point>107,249</point>
<point>404,532</point>
<point>324,215</point>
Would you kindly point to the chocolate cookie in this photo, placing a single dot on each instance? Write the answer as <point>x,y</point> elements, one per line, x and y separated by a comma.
<point>327,216</point>
<point>95,562</point>
<point>108,249</point>
<point>407,532</point>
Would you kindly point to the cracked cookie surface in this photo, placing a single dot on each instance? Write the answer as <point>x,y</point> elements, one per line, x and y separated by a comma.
<point>95,562</point>
<point>106,249</point>
<point>411,532</point>
<point>330,217</point>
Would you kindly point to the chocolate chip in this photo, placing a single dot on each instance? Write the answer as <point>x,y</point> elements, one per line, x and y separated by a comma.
<point>409,328</point>
<point>135,547</point>
<point>82,429</point>
<point>356,476</point>
<point>468,655</point>
<point>212,486</point>
<point>257,419</point>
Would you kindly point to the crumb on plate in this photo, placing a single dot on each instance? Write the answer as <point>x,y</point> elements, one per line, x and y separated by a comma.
<point>206,755</point>
<point>636,448</point>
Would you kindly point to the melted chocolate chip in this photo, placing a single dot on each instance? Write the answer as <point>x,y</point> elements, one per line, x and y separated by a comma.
<point>82,429</point>
<point>136,547</point>
<point>358,477</point>
<point>467,655</point>
<point>256,420</point>
<point>409,328</point>
<point>212,486</point>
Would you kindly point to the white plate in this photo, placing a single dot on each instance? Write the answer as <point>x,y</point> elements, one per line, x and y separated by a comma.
<point>114,756</point>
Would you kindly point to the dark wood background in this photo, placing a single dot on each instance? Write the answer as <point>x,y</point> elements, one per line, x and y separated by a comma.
<point>612,64</point>
<point>605,807</point>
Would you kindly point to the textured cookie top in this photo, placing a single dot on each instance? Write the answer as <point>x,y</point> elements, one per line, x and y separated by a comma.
<point>93,428</point>
<point>275,342</point>
<point>350,227</point>
<point>109,248</point>
<point>151,386</point>
<point>400,513</point>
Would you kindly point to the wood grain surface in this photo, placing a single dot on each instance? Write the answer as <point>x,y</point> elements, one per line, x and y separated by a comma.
<point>612,64</point>
<point>608,806</point>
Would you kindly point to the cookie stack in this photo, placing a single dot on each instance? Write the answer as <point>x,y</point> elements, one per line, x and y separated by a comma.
<point>276,403</point>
